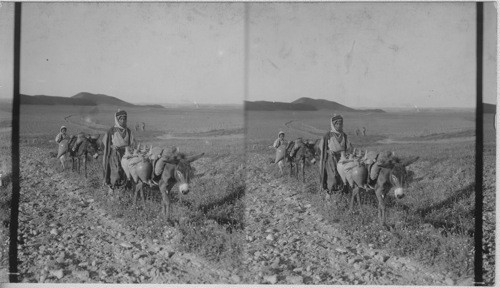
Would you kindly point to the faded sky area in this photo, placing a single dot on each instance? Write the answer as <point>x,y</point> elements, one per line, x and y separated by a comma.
<point>370,54</point>
<point>358,54</point>
<point>138,52</point>
<point>6,50</point>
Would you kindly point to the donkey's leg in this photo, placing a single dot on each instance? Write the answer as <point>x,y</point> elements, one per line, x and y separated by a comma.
<point>142,195</point>
<point>136,193</point>
<point>381,205</point>
<point>353,194</point>
<point>85,164</point>
<point>169,200</point>
<point>359,199</point>
<point>303,170</point>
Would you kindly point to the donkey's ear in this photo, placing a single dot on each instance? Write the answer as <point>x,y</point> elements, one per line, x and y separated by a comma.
<point>386,163</point>
<point>410,161</point>
<point>195,157</point>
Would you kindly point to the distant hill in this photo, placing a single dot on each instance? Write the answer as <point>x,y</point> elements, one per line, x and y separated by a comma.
<point>101,99</point>
<point>54,100</point>
<point>303,104</point>
<point>321,104</point>
<point>489,108</point>
<point>80,99</point>
<point>276,106</point>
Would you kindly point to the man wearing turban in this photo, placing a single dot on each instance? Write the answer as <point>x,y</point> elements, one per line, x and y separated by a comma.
<point>115,141</point>
<point>333,149</point>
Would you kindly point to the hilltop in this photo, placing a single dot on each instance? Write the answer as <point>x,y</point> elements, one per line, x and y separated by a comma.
<point>80,99</point>
<point>303,104</point>
<point>322,104</point>
<point>101,99</point>
<point>275,106</point>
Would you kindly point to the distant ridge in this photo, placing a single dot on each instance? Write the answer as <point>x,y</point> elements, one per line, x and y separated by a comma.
<point>275,106</point>
<point>303,104</point>
<point>101,99</point>
<point>80,99</point>
<point>53,100</point>
<point>322,104</point>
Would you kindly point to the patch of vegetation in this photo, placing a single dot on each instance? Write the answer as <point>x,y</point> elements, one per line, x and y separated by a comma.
<point>210,218</point>
<point>434,223</point>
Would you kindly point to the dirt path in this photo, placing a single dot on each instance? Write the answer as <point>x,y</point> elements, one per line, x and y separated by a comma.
<point>289,242</point>
<point>65,237</point>
<point>304,128</point>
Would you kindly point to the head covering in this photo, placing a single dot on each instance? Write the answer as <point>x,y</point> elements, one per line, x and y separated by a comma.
<point>281,132</point>
<point>119,114</point>
<point>335,118</point>
<point>63,127</point>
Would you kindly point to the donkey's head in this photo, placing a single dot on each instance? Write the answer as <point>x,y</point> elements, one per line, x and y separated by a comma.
<point>397,174</point>
<point>311,152</point>
<point>93,145</point>
<point>183,171</point>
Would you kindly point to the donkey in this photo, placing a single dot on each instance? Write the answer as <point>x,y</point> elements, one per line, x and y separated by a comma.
<point>301,152</point>
<point>79,147</point>
<point>388,174</point>
<point>177,169</point>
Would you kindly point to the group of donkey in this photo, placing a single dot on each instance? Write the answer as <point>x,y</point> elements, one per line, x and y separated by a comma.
<point>154,166</point>
<point>368,171</point>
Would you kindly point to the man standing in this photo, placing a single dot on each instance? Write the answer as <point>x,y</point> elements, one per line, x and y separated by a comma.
<point>115,140</point>
<point>333,149</point>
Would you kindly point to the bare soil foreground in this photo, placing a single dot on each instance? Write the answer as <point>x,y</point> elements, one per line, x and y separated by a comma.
<point>296,235</point>
<point>71,231</point>
<point>67,237</point>
<point>289,241</point>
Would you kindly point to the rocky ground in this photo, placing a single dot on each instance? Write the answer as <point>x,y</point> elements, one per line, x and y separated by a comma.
<point>489,220</point>
<point>288,242</point>
<point>65,237</point>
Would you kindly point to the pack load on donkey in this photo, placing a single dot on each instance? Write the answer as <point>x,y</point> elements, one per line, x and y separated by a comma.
<point>136,165</point>
<point>140,165</point>
<point>381,172</point>
<point>158,167</point>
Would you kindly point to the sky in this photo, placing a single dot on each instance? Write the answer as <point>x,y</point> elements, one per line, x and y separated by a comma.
<point>369,54</point>
<point>358,54</point>
<point>138,52</point>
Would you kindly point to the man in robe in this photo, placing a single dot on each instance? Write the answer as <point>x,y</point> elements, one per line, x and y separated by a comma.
<point>334,145</point>
<point>115,141</point>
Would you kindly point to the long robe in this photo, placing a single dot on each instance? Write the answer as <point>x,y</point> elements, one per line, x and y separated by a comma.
<point>115,141</point>
<point>329,177</point>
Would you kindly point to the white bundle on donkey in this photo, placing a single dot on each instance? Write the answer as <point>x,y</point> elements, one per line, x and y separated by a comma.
<point>353,171</point>
<point>137,165</point>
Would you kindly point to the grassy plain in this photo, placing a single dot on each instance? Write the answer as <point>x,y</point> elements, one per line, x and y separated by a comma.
<point>434,223</point>
<point>210,217</point>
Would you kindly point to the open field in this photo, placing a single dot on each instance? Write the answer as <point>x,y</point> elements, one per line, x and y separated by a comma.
<point>209,219</point>
<point>434,223</point>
